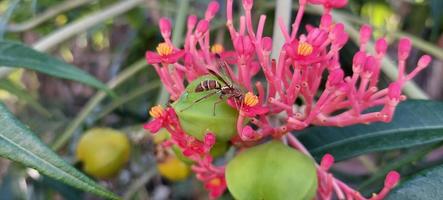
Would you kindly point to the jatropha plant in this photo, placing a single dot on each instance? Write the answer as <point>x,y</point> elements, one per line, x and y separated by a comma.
<point>219,99</point>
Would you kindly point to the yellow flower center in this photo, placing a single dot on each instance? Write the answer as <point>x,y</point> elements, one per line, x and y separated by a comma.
<point>215,182</point>
<point>250,99</point>
<point>217,48</point>
<point>164,49</point>
<point>304,49</point>
<point>156,111</point>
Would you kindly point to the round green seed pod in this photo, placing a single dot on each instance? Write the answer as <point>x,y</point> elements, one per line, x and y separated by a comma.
<point>271,171</point>
<point>198,118</point>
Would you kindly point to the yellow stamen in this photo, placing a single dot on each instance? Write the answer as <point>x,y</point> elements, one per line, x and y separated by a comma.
<point>304,49</point>
<point>217,48</point>
<point>250,99</point>
<point>215,182</point>
<point>164,49</point>
<point>156,111</point>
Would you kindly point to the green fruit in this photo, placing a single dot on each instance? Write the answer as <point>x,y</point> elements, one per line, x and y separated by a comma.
<point>197,119</point>
<point>271,171</point>
<point>103,152</point>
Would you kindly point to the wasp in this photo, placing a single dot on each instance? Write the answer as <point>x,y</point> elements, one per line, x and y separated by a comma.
<point>220,87</point>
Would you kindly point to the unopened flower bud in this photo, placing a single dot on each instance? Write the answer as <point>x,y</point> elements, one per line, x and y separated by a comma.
<point>247,4</point>
<point>202,26</point>
<point>381,46</point>
<point>165,27</point>
<point>394,90</point>
<point>370,64</point>
<point>212,10</point>
<point>192,20</point>
<point>327,161</point>
<point>365,33</point>
<point>392,179</point>
<point>404,48</point>
<point>267,43</point>
<point>326,21</point>
<point>359,59</point>
<point>209,139</point>
<point>335,77</point>
<point>424,61</point>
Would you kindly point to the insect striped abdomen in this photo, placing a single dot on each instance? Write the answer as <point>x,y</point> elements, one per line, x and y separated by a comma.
<point>207,85</point>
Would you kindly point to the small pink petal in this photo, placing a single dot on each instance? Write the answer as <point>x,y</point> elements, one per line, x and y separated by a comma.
<point>154,125</point>
<point>173,58</point>
<point>152,57</point>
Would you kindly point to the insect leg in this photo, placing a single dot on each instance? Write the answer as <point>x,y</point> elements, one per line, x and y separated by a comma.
<point>200,99</point>
<point>215,104</point>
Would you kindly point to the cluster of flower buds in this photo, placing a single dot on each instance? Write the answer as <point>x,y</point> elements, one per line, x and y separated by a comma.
<point>295,74</point>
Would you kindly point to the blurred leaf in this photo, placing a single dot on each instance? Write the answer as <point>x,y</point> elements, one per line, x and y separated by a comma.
<point>423,186</point>
<point>23,95</point>
<point>19,144</point>
<point>415,123</point>
<point>66,191</point>
<point>14,54</point>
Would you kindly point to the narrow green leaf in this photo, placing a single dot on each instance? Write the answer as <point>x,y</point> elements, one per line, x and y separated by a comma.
<point>415,123</point>
<point>14,54</point>
<point>424,186</point>
<point>23,95</point>
<point>18,143</point>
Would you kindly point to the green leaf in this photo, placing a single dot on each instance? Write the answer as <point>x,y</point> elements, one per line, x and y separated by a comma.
<point>424,186</point>
<point>415,123</point>
<point>23,95</point>
<point>19,144</point>
<point>14,54</point>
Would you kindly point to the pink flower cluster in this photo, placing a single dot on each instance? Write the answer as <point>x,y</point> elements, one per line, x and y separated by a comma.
<point>198,151</point>
<point>295,74</point>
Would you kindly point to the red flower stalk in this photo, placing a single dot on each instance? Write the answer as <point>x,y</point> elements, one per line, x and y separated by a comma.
<point>295,74</point>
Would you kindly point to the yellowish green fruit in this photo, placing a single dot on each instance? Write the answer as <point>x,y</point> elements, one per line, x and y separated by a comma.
<point>103,152</point>
<point>197,119</point>
<point>271,171</point>
<point>173,169</point>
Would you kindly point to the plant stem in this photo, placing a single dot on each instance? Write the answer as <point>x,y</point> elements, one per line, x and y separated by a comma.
<point>94,101</point>
<point>128,97</point>
<point>48,14</point>
<point>283,10</point>
<point>138,184</point>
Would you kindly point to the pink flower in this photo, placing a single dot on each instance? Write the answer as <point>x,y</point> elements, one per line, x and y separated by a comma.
<point>165,54</point>
<point>216,186</point>
<point>160,118</point>
<point>250,106</point>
